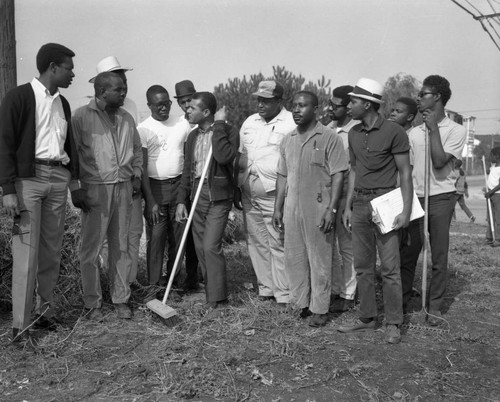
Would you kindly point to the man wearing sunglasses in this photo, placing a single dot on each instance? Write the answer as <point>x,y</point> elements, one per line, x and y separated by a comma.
<point>162,139</point>
<point>446,142</point>
<point>343,273</point>
<point>37,154</point>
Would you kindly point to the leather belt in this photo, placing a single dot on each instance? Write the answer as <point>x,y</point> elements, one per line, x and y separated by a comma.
<point>372,190</point>
<point>48,162</point>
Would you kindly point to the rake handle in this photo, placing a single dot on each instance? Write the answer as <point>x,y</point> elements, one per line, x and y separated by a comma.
<point>488,202</point>
<point>180,252</point>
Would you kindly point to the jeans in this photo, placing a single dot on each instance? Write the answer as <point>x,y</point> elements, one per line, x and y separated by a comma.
<point>441,209</point>
<point>366,240</point>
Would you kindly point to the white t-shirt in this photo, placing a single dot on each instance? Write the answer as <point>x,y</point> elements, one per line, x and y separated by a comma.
<point>493,177</point>
<point>164,141</point>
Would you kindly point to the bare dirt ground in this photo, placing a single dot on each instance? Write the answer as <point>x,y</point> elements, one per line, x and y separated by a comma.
<point>253,351</point>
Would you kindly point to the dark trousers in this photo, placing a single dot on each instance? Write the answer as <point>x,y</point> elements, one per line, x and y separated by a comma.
<point>366,240</point>
<point>460,200</point>
<point>495,209</point>
<point>209,222</point>
<point>441,209</point>
<point>167,232</point>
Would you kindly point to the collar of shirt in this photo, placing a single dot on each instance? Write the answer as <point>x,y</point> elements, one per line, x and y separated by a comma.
<point>443,123</point>
<point>279,117</point>
<point>378,123</point>
<point>347,127</point>
<point>209,129</point>
<point>40,89</point>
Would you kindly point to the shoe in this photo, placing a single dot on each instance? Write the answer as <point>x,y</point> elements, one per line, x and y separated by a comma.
<point>96,315</point>
<point>392,334</point>
<point>123,311</point>
<point>357,326</point>
<point>341,305</point>
<point>488,242</point>
<point>282,306</point>
<point>318,320</point>
<point>265,298</point>
<point>50,324</point>
<point>472,219</point>
<point>434,318</point>
<point>305,312</point>
<point>190,286</point>
<point>495,243</point>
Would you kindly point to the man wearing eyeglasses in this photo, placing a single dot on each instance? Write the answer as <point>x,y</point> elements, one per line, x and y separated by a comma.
<point>163,141</point>
<point>446,142</point>
<point>343,273</point>
<point>37,158</point>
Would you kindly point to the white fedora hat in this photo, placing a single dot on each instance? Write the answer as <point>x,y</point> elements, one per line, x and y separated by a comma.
<point>369,89</point>
<point>108,64</point>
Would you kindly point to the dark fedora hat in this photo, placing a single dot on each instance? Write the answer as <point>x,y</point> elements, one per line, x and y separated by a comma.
<point>184,88</point>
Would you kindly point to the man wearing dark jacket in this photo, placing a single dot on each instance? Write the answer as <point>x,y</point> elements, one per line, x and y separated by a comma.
<point>37,161</point>
<point>217,191</point>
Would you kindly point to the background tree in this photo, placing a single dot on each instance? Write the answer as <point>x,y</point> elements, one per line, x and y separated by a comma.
<point>236,94</point>
<point>8,79</point>
<point>397,86</point>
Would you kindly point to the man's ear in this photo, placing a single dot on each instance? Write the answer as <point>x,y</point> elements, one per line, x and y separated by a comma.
<point>206,112</point>
<point>410,118</point>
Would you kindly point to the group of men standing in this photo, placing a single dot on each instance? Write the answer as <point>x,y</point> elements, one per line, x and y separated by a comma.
<point>303,188</point>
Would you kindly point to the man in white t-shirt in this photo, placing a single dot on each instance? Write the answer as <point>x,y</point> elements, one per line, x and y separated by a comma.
<point>446,142</point>
<point>163,141</point>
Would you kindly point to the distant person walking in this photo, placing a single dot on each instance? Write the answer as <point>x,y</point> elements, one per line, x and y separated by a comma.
<point>492,193</point>
<point>462,191</point>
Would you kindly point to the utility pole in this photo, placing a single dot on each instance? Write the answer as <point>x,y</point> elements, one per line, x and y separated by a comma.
<point>8,76</point>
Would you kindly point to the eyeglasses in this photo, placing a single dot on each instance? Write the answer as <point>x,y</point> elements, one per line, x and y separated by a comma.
<point>335,107</point>
<point>163,105</point>
<point>422,94</point>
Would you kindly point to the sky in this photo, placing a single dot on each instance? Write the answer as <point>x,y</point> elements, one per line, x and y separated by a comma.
<point>210,41</point>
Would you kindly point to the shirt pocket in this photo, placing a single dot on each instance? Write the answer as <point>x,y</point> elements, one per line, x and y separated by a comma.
<point>318,157</point>
<point>275,138</point>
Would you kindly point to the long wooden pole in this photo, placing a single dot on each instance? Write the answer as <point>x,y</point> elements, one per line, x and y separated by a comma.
<point>8,76</point>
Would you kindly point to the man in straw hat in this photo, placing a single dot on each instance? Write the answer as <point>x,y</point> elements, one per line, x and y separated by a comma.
<point>446,142</point>
<point>110,156</point>
<point>379,150</point>
<point>111,64</point>
<point>260,138</point>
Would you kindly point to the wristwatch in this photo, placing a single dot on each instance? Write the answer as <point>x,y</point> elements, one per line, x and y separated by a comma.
<point>334,210</point>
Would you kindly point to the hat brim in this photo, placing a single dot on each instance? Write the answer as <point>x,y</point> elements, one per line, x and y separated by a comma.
<point>92,80</point>
<point>183,95</point>
<point>263,95</point>
<point>367,97</point>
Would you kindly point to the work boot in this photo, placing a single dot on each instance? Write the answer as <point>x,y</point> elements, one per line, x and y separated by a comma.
<point>304,313</point>
<point>96,315</point>
<point>392,334</point>
<point>318,320</point>
<point>50,324</point>
<point>434,318</point>
<point>123,311</point>
<point>341,305</point>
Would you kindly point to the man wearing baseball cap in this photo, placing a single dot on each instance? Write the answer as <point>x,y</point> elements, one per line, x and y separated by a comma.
<point>260,139</point>
<point>379,150</point>
<point>343,273</point>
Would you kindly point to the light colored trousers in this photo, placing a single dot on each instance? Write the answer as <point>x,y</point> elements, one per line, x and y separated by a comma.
<point>265,244</point>
<point>343,272</point>
<point>37,240</point>
<point>308,259</point>
<point>111,208</point>
<point>134,239</point>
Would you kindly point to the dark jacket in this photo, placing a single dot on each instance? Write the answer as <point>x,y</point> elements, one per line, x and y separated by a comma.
<point>18,135</point>
<point>225,144</point>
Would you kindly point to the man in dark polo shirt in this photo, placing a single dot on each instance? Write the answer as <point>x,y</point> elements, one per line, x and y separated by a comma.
<point>379,150</point>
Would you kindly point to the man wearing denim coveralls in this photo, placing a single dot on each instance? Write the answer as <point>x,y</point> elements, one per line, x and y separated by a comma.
<point>310,174</point>
<point>379,150</point>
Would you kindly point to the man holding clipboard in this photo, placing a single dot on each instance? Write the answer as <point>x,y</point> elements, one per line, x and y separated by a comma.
<point>379,150</point>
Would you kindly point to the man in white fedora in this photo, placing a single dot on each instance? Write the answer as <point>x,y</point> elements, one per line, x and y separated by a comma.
<point>111,64</point>
<point>379,151</point>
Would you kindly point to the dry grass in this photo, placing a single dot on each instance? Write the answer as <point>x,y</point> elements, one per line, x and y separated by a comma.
<point>253,351</point>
